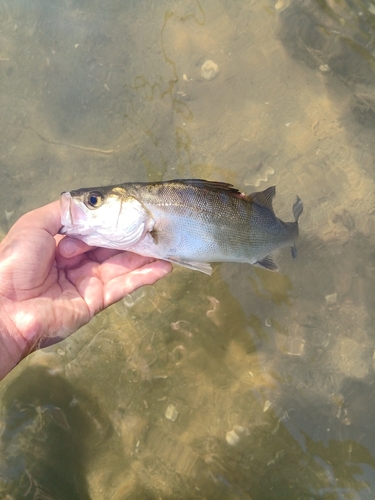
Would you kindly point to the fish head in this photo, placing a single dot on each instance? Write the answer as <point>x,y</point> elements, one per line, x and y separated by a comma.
<point>107,217</point>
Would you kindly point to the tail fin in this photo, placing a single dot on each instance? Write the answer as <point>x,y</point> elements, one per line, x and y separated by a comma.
<point>297,210</point>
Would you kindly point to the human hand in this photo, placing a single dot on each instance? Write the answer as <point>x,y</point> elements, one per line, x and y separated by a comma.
<point>51,285</point>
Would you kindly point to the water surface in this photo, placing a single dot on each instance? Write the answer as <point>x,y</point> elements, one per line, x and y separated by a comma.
<point>245,385</point>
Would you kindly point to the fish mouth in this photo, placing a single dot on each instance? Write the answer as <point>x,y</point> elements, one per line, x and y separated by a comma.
<point>70,212</point>
<point>65,211</point>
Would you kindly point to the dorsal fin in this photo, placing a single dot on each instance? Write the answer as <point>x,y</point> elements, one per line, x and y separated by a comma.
<point>264,198</point>
<point>212,186</point>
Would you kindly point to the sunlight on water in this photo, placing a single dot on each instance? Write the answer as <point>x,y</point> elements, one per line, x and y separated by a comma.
<point>248,384</point>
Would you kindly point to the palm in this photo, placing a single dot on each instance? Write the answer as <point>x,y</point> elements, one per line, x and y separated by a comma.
<point>43,292</point>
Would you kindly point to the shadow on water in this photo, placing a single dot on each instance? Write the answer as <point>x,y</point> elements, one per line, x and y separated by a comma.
<point>47,432</point>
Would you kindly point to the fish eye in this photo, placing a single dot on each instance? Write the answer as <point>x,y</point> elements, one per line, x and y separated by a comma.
<point>94,199</point>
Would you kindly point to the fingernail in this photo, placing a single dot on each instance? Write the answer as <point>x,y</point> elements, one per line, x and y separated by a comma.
<point>68,246</point>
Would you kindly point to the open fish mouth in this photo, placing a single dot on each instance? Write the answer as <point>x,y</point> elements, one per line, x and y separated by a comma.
<point>71,213</point>
<point>66,215</point>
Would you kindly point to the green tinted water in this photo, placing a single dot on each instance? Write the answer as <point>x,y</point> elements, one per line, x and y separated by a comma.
<point>245,385</point>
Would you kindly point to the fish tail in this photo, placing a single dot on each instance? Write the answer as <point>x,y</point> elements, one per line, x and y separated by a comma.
<point>297,208</point>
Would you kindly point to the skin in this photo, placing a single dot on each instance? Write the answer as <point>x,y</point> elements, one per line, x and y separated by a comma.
<point>52,285</point>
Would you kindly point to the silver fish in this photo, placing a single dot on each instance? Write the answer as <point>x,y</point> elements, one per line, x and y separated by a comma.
<point>188,222</point>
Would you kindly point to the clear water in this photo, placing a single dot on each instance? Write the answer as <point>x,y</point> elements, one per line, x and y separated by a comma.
<point>245,385</point>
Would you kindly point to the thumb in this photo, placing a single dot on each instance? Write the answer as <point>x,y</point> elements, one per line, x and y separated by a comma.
<point>71,247</point>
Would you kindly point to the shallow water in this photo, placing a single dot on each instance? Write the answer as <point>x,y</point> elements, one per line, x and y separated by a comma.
<point>245,385</point>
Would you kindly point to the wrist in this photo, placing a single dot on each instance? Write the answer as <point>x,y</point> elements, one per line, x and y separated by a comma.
<point>13,347</point>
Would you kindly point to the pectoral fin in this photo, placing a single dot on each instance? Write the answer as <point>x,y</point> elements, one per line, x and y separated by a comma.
<point>267,263</point>
<point>165,240</point>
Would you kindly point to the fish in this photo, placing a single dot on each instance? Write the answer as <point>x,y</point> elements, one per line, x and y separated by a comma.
<point>189,222</point>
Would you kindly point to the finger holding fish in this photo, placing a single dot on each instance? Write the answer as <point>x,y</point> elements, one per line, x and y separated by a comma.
<point>117,286</point>
<point>71,247</point>
<point>114,278</point>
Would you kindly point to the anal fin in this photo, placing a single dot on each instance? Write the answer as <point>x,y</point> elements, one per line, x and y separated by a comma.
<point>267,263</point>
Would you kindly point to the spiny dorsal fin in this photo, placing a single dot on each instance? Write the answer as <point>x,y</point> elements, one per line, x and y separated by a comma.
<point>212,186</point>
<point>264,197</point>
